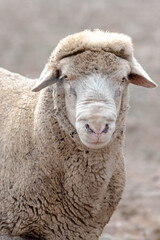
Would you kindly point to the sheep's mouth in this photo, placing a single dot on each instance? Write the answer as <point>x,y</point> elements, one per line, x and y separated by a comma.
<point>95,144</point>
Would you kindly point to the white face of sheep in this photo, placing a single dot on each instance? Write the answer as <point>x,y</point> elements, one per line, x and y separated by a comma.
<point>93,98</point>
<point>93,104</point>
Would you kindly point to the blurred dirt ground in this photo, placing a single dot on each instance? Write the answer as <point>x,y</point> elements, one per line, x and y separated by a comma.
<point>29,30</point>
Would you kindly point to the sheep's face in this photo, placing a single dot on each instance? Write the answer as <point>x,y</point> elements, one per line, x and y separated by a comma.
<point>94,84</point>
<point>94,81</point>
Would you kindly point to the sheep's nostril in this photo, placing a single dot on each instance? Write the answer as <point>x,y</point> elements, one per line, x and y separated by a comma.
<point>96,131</point>
<point>89,130</point>
<point>105,130</point>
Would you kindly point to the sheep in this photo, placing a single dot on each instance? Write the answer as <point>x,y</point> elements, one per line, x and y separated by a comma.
<point>61,149</point>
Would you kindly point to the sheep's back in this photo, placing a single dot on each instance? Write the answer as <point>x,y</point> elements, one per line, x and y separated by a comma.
<point>17,104</point>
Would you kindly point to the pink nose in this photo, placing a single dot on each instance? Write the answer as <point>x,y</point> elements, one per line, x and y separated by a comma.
<point>97,131</point>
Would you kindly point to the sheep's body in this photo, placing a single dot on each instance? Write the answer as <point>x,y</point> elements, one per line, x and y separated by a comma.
<point>11,238</point>
<point>49,187</point>
<point>52,186</point>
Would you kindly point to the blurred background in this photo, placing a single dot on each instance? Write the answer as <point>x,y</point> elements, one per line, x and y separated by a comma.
<point>30,30</point>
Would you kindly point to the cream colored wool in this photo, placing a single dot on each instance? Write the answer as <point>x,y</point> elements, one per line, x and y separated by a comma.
<point>52,186</point>
<point>119,44</point>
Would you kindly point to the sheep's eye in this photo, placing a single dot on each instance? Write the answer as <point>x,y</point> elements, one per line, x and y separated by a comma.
<point>64,77</point>
<point>123,80</point>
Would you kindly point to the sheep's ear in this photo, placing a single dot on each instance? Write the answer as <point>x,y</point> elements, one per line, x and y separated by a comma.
<point>139,77</point>
<point>48,77</point>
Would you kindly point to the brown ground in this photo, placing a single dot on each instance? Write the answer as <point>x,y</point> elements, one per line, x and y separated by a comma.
<point>29,30</point>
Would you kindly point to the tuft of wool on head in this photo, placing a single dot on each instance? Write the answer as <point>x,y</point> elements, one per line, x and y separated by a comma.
<point>97,40</point>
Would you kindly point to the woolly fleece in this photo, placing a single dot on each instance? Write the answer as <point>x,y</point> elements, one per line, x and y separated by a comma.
<point>119,44</point>
<point>52,186</point>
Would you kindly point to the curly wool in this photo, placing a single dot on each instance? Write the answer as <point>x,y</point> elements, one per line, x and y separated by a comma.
<point>52,186</point>
<point>57,188</point>
<point>119,44</point>
<point>92,180</point>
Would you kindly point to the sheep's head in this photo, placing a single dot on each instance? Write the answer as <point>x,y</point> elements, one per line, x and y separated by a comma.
<point>94,78</point>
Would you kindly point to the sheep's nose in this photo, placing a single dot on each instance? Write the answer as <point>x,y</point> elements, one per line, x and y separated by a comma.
<point>97,129</point>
